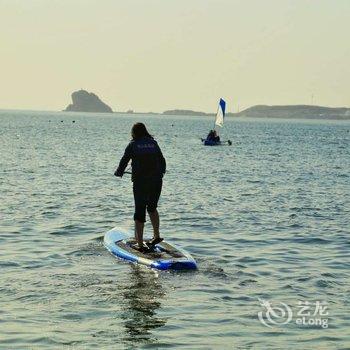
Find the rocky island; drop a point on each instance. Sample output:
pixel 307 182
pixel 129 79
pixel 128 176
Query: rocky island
pixel 84 101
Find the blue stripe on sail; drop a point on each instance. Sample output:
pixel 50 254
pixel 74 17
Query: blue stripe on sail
pixel 222 104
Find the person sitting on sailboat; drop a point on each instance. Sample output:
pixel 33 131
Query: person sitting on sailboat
pixel 210 136
pixel 213 136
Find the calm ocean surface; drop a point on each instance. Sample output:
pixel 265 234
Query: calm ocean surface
pixel 266 219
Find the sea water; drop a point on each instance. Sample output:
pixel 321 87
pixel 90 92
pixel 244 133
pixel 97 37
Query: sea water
pixel 267 220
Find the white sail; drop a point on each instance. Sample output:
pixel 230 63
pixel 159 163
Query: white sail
pixel 220 115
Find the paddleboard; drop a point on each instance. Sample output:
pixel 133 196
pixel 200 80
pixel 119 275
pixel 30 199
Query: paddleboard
pixel 164 256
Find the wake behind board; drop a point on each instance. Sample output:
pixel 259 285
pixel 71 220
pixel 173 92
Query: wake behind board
pixel 164 256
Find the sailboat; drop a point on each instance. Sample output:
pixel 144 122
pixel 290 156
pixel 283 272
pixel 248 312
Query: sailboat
pixel 213 138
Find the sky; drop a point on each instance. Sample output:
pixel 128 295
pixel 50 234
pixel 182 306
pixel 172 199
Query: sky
pixel 154 55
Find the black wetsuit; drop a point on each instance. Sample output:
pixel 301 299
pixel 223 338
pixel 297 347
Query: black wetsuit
pixel 148 168
pixel 211 137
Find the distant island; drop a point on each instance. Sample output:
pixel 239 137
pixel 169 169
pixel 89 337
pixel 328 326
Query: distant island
pixel 295 111
pixel 289 111
pixel 84 101
pixel 184 112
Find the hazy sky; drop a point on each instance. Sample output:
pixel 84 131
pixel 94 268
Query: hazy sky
pixel 152 55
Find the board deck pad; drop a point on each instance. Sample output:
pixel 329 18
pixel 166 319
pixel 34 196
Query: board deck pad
pixel 163 256
pixel 162 250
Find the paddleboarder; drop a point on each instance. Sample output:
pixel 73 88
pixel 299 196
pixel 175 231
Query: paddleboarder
pixel 148 167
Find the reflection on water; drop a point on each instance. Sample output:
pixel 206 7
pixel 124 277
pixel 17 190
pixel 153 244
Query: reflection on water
pixel 142 300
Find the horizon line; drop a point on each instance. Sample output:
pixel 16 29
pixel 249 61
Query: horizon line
pixel 173 109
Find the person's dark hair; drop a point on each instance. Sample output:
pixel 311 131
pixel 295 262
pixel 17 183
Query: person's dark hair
pixel 139 130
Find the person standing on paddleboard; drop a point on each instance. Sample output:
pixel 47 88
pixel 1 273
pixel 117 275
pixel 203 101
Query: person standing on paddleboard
pixel 148 167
